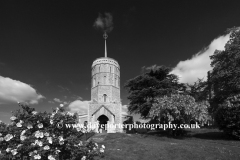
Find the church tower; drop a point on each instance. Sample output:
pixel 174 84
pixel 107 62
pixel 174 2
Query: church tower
pixel 105 106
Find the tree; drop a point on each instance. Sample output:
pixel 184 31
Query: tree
pixel 228 116
pixel 199 90
pixel 179 108
pixel 225 76
pixel 156 81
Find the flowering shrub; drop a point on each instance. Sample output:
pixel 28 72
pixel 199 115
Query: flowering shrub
pixel 180 107
pixel 32 135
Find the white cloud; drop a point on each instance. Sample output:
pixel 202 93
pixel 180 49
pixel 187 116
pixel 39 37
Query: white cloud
pixel 198 66
pixel 57 100
pixel 51 102
pixel 79 106
pixel 13 91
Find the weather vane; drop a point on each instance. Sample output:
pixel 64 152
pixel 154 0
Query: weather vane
pixel 105 36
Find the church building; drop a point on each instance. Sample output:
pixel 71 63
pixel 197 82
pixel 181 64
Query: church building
pixel 105 107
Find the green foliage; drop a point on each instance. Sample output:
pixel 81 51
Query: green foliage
pixel 179 108
pixel 38 136
pixel 156 81
pixel 225 76
pixel 199 90
pixel 228 116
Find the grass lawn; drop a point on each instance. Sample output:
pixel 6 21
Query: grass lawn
pixel 200 144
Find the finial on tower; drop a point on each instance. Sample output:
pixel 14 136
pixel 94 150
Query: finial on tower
pixel 105 36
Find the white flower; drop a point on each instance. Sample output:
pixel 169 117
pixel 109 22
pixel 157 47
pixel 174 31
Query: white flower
pixel 83 158
pixel 14 151
pixel 61 105
pixel 35 151
pixel 21 121
pixel 40 143
pixel 61 142
pixel 103 146
pixel 34 112
pixel 22 138
pixel 46 147
pixel 50 157
pixel 36 142
pixel 0 134
pixel 96 144
pixel 38 134
pixel 29 126
pixel 23 132
pixel 8 137
pixel 53 114
pixel 8 149
pixel 30 154
pixel 46 134
pixel 13 118
pixel 49 140
pixel 60 138
pixel 19 125
pixel 94 148
pixel 101 150
pixel 40 125
pixel 70 114
pixel 37 156
pixel 80 143
pixel 51 121
pixel 57 151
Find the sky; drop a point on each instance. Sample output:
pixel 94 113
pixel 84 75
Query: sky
pixel 47 46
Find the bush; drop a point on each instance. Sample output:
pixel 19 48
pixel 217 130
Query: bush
pixel 228 116
pixel 36 136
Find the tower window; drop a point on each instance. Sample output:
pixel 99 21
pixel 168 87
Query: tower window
pixel 105 97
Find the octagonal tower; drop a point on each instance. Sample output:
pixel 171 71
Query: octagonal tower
pixel 105 80
pixel 105 92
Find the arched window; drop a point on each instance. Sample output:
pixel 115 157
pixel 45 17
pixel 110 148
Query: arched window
pixel 105 97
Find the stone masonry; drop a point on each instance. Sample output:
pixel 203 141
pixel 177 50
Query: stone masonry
pixel 105 92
